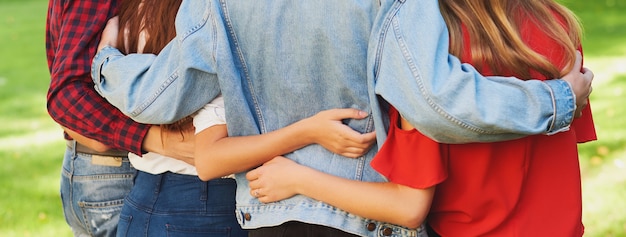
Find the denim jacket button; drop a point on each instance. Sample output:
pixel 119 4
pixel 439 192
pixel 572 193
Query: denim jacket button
pixel 371 226
pixel 247 216
pixel 387 231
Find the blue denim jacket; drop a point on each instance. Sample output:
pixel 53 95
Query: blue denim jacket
pixel 281 62
pixel 410 68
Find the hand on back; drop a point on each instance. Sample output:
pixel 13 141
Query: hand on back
pixel 275 180
pixel 328 130
pixel 580 80
pixel 109 34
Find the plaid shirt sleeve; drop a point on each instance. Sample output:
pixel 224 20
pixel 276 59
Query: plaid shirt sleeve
pixel 72 35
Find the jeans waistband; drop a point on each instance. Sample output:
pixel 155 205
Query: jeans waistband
pixel 86 150
pixel 178 193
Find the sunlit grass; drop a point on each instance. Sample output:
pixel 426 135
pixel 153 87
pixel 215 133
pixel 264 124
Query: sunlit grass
pixel 603 162
pixel 31 144
pixel 604 196
pixel 29 177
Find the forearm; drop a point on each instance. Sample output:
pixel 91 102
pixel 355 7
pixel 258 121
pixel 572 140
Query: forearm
pixel 91 143
pixel 72 34
pixel 451 102
pixel 218 155
pixel 78 108
pixel 145 86
pixel 387 202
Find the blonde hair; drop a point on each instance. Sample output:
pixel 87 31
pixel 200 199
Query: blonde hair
pixel 495 40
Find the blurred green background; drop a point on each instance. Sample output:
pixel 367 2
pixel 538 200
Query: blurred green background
pixel 31 144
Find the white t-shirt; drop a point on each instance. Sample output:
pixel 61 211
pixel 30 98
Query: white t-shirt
pixel 211 114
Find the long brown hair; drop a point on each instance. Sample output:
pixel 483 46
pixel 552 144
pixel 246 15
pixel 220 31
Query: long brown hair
pixel 154 20
pixel 495 41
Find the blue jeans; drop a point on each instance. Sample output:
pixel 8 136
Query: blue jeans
pixel 176 205
pixel 93 195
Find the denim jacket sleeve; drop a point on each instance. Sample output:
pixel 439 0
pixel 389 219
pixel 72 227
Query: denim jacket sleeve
pixel 165 88
pixel 449 101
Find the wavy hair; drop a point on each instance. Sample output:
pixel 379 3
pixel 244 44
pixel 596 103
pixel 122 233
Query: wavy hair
pixel 495 40
pixel 154 20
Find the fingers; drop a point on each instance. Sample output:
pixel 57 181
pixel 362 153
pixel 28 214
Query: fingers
pixel 252 175
pixel 259 195
pixel 352 144
pixel 579 79
pixel 354 152
pixel 369 137
pixel 255 186
pixel 354 138
pixel 255 193
pixel 578 62
pixel 347 113
pixel 588 76
pixel 583 100
pixel 109 33
pixel 587 73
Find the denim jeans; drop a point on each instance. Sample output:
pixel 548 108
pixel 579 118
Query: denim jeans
pixel 175 205
pixel 93 195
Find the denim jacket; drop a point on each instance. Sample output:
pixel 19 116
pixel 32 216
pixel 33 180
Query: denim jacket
pixel 410 68
pixel 278 63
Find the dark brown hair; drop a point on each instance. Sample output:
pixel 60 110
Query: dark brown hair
pixel 154 20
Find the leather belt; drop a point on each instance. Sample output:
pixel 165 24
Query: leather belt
pixel 86 150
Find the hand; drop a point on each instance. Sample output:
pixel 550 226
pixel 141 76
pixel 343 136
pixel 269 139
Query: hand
pixel 176 144
pixel 580 82
pixel 327 130
pixel 109 34
pixel 275 180
pixel 88 142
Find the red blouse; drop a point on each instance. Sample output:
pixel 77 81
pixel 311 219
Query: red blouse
pixel 398 161
pixel 525 187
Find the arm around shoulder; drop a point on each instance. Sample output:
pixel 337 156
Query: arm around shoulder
pixel 161 89
pixel 450 101
pixel 282 178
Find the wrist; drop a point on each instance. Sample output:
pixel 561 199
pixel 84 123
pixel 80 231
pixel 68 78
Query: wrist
pixel 305 131
pixel 153 141
pixel 301 178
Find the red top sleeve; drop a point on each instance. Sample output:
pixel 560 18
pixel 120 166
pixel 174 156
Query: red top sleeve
pixel 72 34
pixel 409 158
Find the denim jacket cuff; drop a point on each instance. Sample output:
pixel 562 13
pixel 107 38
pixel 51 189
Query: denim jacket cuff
pixel 564 103
pixel 98 62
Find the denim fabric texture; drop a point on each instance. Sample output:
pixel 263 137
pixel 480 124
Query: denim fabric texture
pixel 158 208
pixel 410 68
pixel 93 195
pixel 278 63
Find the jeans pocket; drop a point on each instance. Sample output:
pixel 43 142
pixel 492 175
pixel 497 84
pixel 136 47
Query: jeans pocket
pixel 102 217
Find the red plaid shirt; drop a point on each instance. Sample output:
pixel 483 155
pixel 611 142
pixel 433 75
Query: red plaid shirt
pixel 72 35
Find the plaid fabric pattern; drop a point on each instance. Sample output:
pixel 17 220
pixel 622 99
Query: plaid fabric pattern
pixel 72 35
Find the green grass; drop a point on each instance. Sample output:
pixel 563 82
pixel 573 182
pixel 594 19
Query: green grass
pixel 31 145
pixel 604 23
pixel 603 162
